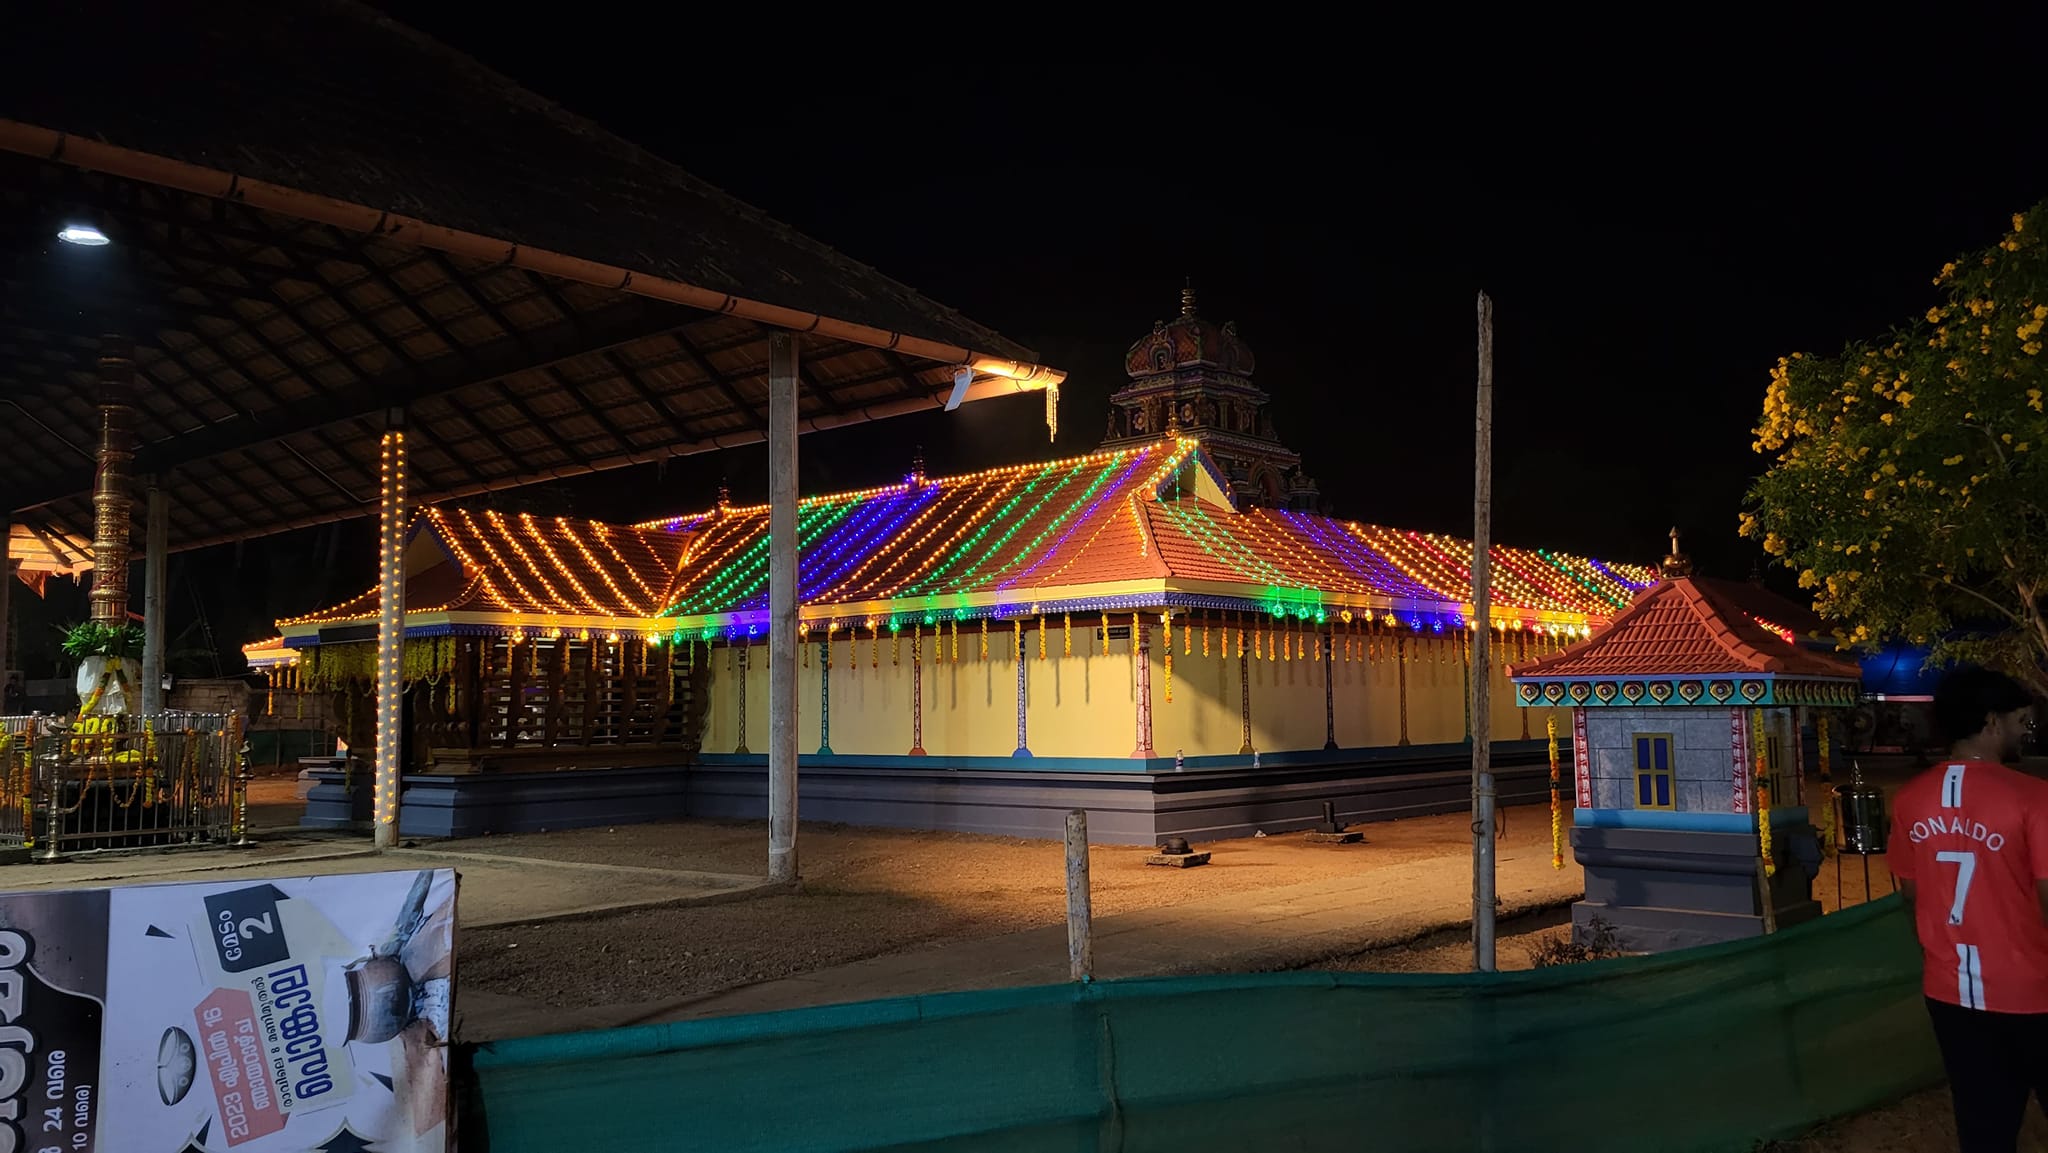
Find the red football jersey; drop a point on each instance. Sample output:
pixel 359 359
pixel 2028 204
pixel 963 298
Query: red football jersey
pixel 1973 837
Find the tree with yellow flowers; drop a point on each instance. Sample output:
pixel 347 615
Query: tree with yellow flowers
pixel 1906 487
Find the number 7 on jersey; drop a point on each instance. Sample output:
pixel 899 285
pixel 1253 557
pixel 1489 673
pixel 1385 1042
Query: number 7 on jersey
pixel 1966 867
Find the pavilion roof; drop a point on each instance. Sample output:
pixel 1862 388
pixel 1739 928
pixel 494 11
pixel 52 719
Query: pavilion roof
pixel 1691 627
pixel 319 216
pixel 1136 527
pixel 39 550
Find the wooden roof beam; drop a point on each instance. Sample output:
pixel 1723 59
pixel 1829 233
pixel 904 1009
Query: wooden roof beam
pixel 621 324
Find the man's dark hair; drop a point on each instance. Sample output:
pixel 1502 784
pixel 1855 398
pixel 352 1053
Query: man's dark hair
pixel 1968 695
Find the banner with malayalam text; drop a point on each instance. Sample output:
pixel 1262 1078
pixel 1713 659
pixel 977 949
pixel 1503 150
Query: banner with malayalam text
pixel 277 1016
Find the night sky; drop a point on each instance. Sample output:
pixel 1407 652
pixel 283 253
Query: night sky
pixel 1654 236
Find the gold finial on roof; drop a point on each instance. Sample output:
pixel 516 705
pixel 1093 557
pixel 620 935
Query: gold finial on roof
pixel 1677 564
pixel 1187 298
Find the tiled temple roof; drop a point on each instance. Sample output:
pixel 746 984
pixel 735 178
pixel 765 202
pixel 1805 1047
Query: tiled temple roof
pixel 1689 627
pixel 1143 525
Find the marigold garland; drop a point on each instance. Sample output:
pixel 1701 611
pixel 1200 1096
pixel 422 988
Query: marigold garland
pixel 1041 636
pixel 1166 619
pixel 1066 635
pixel 984 638
pixel 1763 793
pixel 1205 636
pixel 1017 640
pixel 1556 803
pixel 1105 632
pixel 953 631
pixel 874 646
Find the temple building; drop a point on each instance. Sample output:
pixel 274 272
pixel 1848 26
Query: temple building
pixel 1148 631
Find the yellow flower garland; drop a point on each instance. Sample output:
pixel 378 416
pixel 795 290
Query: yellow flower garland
pixel 1166 619
pixel 1763 793
pixel 1556 804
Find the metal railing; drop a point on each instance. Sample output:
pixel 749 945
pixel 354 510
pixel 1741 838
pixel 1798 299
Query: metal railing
pixel 121 782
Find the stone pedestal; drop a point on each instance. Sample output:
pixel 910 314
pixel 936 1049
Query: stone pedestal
pixel 1662 889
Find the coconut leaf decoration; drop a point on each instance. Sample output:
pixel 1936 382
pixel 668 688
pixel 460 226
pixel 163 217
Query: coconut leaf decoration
pixel 96 639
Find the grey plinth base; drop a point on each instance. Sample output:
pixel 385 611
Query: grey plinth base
pixel 1654 890
pixel 1178 860
pixel 479 804
pixel 1334 838
pixel 339 800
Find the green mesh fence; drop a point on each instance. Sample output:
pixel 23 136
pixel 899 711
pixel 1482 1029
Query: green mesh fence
pixel 1709 1049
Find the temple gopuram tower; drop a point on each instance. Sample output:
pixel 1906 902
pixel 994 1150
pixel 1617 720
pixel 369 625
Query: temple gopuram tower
pixel 1194 377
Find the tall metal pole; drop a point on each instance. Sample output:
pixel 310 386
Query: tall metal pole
pixel 1482 635
pixel 390 632
pixel 782 562
pixel 155 561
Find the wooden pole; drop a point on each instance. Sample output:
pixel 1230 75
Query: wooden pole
pixel 1482 634
pixel 155 563
pixel 8 568
pixel 782 641
pixel 1080 927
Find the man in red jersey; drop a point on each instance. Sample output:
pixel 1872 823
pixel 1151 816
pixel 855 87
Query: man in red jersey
pixel 1969 848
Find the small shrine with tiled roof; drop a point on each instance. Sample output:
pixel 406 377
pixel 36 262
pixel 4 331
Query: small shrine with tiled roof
pixel 1688 710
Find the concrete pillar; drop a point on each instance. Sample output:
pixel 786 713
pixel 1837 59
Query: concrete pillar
pixel 782 569
pixel 155 550
pixel 390 634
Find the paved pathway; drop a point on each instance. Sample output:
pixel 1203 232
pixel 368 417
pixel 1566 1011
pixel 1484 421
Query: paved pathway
pixel 1287 927
pixel 497 889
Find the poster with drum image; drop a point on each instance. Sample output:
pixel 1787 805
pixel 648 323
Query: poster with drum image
pixel 297 1015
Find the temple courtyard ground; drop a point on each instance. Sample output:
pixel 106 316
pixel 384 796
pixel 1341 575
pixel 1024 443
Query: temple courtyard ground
pixel 596 928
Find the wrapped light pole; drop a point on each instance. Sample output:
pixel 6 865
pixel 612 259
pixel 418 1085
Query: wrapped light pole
pixel 390 633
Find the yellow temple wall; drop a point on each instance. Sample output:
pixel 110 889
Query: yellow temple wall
pixel 1084 705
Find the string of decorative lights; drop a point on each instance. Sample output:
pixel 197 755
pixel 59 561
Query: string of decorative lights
pixel 562 525
pixel 918 552
pixel 620 603
pixel 1087 509
pixel 603 533
pixel 897 546
pixel 933 580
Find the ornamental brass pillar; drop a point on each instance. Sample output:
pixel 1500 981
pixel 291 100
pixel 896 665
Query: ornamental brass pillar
pixel 111 502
